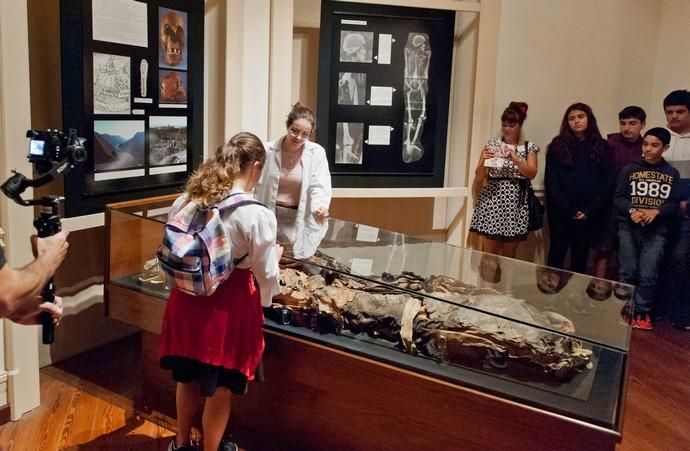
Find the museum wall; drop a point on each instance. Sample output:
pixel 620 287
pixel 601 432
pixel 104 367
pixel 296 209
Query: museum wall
pixel 555 53
pixel 215 29
pixel 671 55
pixel 19 342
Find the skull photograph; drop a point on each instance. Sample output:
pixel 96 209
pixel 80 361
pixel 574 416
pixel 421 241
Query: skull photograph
pixel 172 52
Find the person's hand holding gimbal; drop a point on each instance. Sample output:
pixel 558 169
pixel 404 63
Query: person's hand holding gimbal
pixel 31 313
pixel 52 249
pixel 20 289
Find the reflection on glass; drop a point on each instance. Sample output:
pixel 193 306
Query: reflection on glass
pixel 551 280
pixel 490 268
pixel 303 245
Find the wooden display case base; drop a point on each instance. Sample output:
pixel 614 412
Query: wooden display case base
pixel 319 398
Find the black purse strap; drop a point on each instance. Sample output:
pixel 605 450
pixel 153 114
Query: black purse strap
pixel 525 184
pixel 526 153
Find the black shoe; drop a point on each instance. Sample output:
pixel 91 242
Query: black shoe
pixel 173 447
pixel 228 446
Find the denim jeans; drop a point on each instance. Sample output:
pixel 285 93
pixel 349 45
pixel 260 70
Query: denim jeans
pixel 677 277
pixel 640 252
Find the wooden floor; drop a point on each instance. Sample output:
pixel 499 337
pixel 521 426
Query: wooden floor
pixel 77 415
pixel 100 400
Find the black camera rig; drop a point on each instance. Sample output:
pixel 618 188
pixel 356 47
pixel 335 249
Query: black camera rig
pixel 52 153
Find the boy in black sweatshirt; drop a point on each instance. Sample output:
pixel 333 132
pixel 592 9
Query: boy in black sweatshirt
pixel 646 199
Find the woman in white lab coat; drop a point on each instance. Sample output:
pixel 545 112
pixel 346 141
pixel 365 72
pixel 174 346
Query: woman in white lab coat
pixel 296 183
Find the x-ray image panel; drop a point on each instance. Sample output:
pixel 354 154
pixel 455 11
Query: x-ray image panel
pixel 352 88
pixel 383 93
pixel 356 46
pixel 349 138
pixel 417 58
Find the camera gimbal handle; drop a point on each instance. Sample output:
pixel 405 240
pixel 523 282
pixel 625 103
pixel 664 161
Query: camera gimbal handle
pixel 64 158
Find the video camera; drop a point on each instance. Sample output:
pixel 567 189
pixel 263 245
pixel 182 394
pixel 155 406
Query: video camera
pixel 51 152
pixel 51 146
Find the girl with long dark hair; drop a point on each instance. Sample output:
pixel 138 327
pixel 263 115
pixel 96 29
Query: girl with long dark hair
pixel 579 181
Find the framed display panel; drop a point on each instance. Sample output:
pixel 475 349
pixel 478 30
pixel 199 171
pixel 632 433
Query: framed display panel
pixel 132 85
pixel 383 93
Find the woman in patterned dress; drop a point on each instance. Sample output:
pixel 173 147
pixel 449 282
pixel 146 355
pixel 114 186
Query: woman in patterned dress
pixel 505 166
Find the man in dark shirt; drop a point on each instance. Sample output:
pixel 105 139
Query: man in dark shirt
pixel 677 283
pixel 627 147
pixel 20 299
pixel 627 144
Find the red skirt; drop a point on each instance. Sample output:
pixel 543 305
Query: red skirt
pixel 224 329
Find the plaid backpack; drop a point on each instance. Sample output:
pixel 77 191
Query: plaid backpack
pixel 196 251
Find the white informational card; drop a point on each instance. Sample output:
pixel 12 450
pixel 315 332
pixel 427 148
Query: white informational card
pixel 120 21
pixel 382 95
pixel 367 233
pixel 143 100
pixel 168 169
pixel 138 112
pixel 385 43
pixel 361 266
pixel 379 135
pixel 100 176
pixel 353 22
pixel 172 105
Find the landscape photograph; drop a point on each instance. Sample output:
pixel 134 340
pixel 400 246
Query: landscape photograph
pixel 167 140
pixel 118 145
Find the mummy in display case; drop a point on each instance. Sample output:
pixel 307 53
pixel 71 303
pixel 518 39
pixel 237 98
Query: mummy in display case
pixel 470 328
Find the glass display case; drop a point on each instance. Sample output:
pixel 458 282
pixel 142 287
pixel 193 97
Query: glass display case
pixel 533 335
pixel 550 338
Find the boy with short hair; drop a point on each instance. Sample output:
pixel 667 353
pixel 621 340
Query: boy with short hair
pixel 627 143
pixel 677 282
pixel 646 200
pixel 627 147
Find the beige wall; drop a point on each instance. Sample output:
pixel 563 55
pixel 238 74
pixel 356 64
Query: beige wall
pixel 214 74
pixel 307 13
pixel 19 342
pixel 672 64
pixel 555 53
